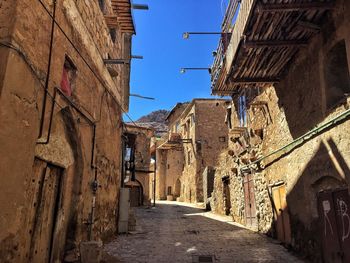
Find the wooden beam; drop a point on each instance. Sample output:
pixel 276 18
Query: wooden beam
pixel 274 43
pixel 309 26
pixel 224 92
pixel 295 7
pixel 243 81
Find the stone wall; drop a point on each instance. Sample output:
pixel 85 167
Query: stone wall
pixel 77 152
pixel 296 105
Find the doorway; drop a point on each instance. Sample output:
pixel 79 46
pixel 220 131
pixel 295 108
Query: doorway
pixel 249 199
pixel 281 213
pixel 46 205
pixel 227 197
pixel 334 214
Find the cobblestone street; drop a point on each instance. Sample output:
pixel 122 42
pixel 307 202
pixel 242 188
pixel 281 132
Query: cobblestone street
pixel 177 232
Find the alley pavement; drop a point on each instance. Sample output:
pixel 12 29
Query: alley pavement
pixel 178 232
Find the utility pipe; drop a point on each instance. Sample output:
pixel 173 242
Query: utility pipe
pixel 319 129
pixel 154 181
pixel 43 110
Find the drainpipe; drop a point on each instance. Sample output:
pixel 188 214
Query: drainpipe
pixel 43 110
pixel 154 181
pixel 307 136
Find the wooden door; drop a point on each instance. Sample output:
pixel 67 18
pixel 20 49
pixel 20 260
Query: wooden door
pixel 341 201
pixel 45 217
pixel 281 215
pixel 334 209
pixel 135 196
pixel 249 197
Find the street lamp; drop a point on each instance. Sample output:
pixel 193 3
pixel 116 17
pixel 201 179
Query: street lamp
pixel 139 7
pixel 141 97
pixel 119 61
pixel 186 35
pixel 183 70
pixel 116 61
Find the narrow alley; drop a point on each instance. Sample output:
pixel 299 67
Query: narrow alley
pixel 180 232
pixel 174 131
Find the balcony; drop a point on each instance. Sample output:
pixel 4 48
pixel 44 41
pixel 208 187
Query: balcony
pixel 172 141
pixel 122 17
pixel 265 39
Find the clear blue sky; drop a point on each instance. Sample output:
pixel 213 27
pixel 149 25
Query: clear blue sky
pixel 159 40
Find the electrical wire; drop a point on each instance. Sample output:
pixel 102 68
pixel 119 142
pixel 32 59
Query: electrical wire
pixel 86 63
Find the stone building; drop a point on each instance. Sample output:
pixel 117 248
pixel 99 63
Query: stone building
pixel 286 170
pixel 60 124
pixel 197 134
pixel 138 163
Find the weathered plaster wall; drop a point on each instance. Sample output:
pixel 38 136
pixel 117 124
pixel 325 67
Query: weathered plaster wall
pixel 161 174
pixel 174 168
pixel 71 141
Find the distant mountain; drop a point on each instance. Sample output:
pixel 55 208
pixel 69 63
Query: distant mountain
pixel 155 120
pixel 155 116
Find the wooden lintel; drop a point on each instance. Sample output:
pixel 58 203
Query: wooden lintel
pixel 243 81
pixel 274 43
pixel 295 7
pixel 223 93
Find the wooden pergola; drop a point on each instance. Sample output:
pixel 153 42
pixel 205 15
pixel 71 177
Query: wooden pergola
pixel 265 40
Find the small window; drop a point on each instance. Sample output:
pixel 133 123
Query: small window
pixel 169 190
pixel 168 166
pixel 102 5
pixel 68 77
pixel 336 74
pixel 113 34
pixel 177 129
pixel 242 112
pixel 189 158
pixel 222 139
pixel 193 120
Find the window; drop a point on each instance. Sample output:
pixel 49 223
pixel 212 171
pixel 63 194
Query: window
pixel 336 74
pixel 113 34
pixel 188 125
pixel 193 119
pixel 169 190
pixel 189 157
pixel 68 77
pixel 242 111
pixel 177 128
pixel 102 5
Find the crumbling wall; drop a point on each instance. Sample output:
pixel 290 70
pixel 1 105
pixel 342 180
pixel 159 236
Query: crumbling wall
pixel 320 162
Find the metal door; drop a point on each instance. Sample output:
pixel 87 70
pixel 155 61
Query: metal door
pixel 249 197
pixel 47 205
pixel 341 201
pixel 281 214
pixel 333 208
